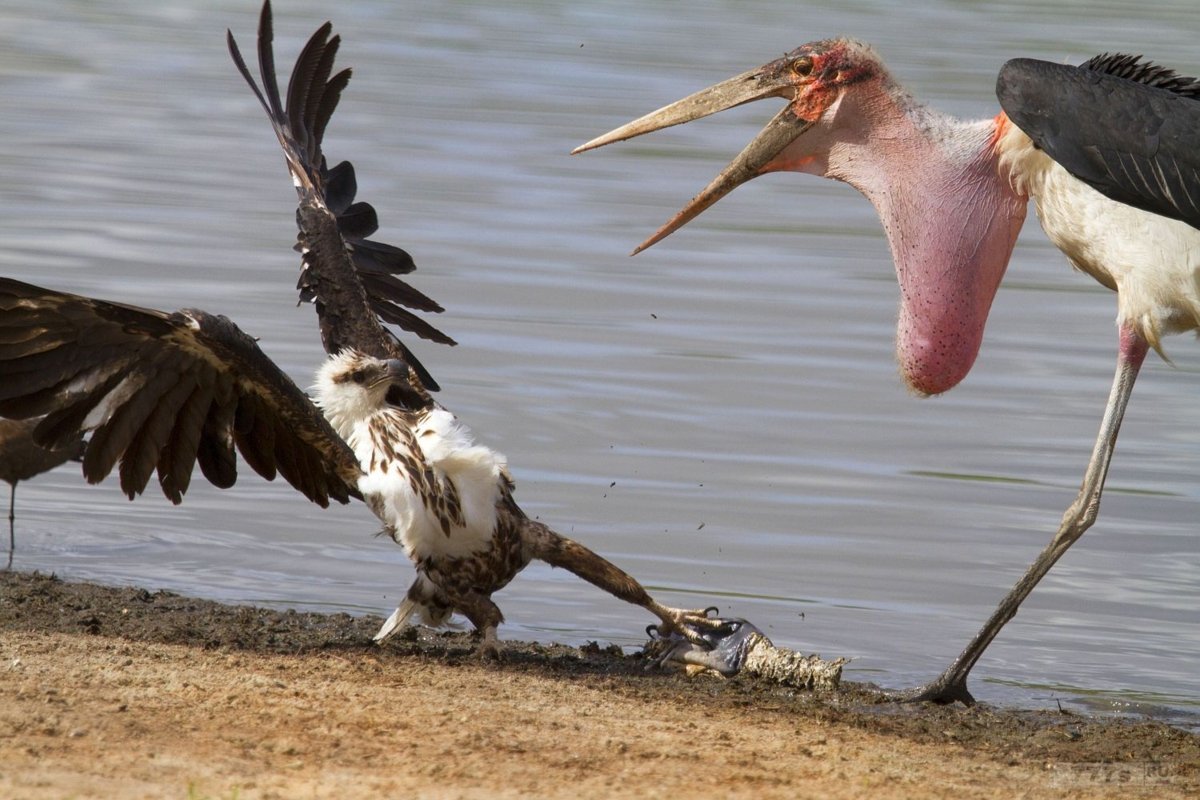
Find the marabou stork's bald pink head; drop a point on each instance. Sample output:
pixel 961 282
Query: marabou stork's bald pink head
pixel 951 218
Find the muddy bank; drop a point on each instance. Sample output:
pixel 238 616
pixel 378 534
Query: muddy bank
pixel 121 692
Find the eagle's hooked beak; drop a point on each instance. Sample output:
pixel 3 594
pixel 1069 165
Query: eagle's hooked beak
pixel 396 371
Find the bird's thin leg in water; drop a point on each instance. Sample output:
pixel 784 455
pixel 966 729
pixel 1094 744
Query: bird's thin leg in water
pixel 12 519
pixel 951 685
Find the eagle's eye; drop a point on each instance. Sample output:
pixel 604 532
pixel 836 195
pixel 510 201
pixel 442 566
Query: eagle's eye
pixel 358 376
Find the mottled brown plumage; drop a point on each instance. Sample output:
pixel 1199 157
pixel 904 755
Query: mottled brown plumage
pixel 354 295
pixel 162 392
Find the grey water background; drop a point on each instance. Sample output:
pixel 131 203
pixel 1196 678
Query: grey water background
pixel 721 415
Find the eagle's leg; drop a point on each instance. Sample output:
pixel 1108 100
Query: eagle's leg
pixel 486 617
pixel 689 623
pixel 559 551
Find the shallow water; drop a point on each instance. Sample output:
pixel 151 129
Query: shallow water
pixel 720 415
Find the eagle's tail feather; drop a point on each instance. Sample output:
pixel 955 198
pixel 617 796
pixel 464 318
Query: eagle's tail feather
pixel 424 602
pixel 396 621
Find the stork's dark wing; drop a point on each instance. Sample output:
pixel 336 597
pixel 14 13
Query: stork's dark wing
pixel 351 279
pixel 21 458
pixel 161 391
pixel 1125 127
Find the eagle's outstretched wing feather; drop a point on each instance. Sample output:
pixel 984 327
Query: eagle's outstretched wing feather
pixel 350 278
pixel 161 392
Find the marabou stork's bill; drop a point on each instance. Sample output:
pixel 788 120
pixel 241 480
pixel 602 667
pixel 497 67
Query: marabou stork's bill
pixel 952 196
pixel 164 392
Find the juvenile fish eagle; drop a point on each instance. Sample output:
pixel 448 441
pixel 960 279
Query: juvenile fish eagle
pixel 163 392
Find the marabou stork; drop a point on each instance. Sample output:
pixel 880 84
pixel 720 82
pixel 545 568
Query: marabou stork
pixel 952 196
pixel 163 392
pixel 22 459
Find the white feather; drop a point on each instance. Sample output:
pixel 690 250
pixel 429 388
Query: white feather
pixel 457 464
pixel 452 456
pixel 1151 261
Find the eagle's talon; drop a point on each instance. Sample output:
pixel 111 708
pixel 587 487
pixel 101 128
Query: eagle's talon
pixel 720 647
pixel 490 650
pixel 685 624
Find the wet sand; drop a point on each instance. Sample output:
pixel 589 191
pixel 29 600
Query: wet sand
pixel 125 693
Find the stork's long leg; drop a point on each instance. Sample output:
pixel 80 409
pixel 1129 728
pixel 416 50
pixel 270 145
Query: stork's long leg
pixel 951 685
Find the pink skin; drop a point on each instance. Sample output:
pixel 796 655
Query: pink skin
pixel 951 220
pixel 951 217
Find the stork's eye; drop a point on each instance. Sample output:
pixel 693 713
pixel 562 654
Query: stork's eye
pixel 802 67
pixel 358 376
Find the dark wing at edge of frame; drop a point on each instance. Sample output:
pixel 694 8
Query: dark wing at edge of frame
pixel 1124 126
pixel 350 278
pixel 161 392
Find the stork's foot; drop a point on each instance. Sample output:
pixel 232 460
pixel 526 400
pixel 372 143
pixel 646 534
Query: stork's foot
pixel 946 689
pixel 721 645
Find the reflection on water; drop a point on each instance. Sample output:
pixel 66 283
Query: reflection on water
pixel 720 415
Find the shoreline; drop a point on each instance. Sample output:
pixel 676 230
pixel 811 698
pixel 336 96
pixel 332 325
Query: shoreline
pixel 122 692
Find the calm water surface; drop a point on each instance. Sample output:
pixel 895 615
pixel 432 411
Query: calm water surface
pixel 720 415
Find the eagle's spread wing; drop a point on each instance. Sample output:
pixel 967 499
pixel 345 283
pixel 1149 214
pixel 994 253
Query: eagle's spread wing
pixel 161 391
pixel 351 279
pixel 1125 127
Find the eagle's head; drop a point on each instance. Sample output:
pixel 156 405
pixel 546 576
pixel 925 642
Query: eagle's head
pixel 351 386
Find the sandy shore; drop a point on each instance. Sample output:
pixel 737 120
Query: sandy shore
pixel 123 693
